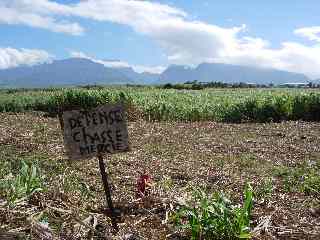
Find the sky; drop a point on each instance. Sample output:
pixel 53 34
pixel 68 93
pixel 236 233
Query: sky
pixel 151 35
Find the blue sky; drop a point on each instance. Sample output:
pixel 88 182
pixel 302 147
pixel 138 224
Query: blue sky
pixel 150 35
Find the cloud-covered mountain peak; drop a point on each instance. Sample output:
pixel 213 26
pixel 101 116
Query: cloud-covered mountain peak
pixel 84 71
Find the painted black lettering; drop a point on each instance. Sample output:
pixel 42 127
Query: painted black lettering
pixel 119 146
pixel 104 148
pixel 72 123
pixel 75 137
pixel 84 150
pixel 104 136
pixel 79 121
pixel 87 117
pixel 94 118
pixel 101 117
pixel 93 149
pixel 109 133
pixel 119 135
pixel 119 140
pixel 111 117
pixel 87 138
pixel 96 138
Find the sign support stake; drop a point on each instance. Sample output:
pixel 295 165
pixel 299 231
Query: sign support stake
pixel 107 191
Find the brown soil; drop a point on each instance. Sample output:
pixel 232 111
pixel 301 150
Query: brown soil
pixel 178 156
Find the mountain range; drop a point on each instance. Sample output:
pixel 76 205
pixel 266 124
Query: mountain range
pixel 218 72
pixel 81 71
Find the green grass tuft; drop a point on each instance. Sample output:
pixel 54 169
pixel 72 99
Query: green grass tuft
pixel 23 183
pixel 215 217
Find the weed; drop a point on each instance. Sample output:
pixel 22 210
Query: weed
pixel 304 178
pixel 166 183
pixel 311 184
pixel 72 183
pixel 85 191
pixel 246 161
pixel 27 181
pixel 215 217
pixel 265 189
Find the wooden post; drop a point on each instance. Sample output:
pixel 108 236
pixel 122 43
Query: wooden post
pixel 107 191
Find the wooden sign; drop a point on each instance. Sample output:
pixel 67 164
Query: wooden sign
pixel 93 132
pixel 100 130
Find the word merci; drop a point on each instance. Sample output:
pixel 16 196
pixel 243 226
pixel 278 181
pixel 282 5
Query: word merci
pixel 101 130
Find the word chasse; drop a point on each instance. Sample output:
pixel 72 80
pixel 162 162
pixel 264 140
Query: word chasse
pixel 102 130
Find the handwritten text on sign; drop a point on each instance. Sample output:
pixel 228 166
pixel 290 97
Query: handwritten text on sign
pixel 101 130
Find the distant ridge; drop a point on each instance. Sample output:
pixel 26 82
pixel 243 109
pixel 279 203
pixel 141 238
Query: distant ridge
pixel 81 71
pixel 218 72
pixel 68 72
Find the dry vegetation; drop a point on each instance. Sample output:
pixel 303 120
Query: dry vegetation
pixel 280 160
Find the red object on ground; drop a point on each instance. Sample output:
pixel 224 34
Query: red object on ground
pixel 143 184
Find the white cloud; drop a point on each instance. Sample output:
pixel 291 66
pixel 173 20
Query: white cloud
pixel 291 56
pixel 312 33
pixel 113 63
pixel 107 63
pixel 148 69
pixel 119 64
pixel 77 54
pixel 10 57
pixel 24 12
pixel 185 41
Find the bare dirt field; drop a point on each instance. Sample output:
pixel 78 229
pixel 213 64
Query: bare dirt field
pixel 280 160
